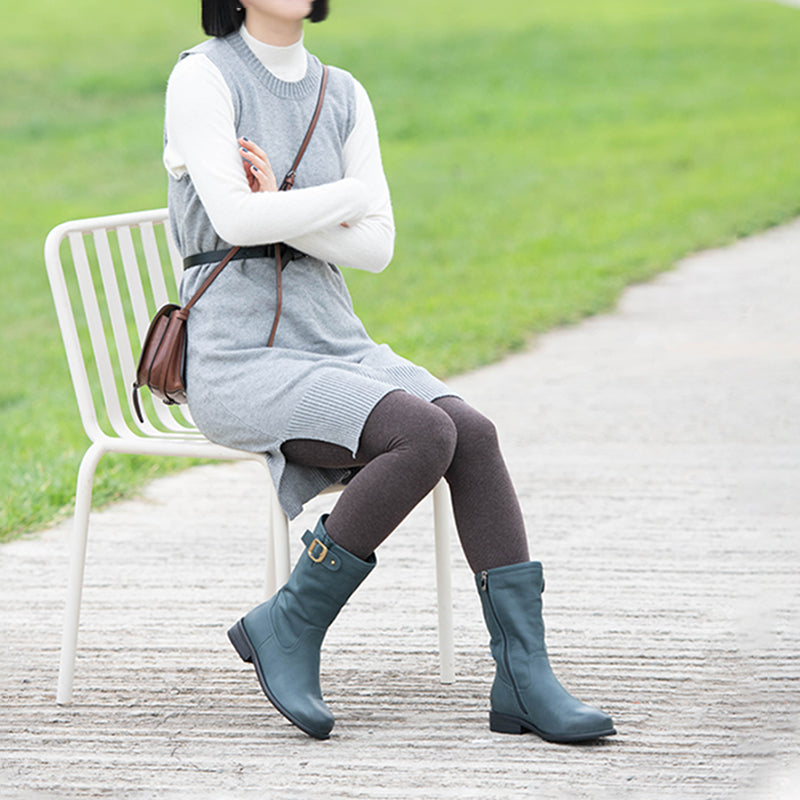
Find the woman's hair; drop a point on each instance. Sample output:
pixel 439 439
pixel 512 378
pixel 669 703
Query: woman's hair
pixel 221 17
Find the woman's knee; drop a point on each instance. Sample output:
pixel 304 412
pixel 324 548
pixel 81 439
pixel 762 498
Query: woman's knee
pixel 474 430
pixel 439 438
pixel 402 423
pixel 432 436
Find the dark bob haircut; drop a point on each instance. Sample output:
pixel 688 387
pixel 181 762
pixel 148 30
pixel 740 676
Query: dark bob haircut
pixel 220 17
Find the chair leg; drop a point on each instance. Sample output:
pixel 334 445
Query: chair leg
pixel 281 545
pixel 278 560
pixel 270 581
pixel 444 591
pixel 83 504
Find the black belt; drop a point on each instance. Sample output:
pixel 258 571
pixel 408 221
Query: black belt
pixel 257 251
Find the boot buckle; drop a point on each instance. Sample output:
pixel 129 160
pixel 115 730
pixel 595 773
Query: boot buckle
pixel 313 546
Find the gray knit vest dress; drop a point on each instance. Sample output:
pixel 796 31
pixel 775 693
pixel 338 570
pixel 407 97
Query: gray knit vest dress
pixel 323 375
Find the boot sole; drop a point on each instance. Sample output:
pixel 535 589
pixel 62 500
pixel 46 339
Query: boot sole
pixel 244 647
pixel 505 723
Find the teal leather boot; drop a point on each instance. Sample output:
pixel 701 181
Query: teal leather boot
pixel 282 637
pixel 526 695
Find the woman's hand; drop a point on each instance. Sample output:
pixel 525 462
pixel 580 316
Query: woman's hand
pixel 257 167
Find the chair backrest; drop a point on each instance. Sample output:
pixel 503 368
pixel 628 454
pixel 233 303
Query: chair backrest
pixel 108 276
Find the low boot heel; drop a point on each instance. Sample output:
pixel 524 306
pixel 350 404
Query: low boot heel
pixel 500 723
pixel 240 642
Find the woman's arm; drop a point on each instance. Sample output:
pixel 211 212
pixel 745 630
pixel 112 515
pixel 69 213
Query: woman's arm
pixel 369 243
pixel 201 140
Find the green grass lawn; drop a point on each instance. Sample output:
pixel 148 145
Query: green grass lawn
pixel 541 157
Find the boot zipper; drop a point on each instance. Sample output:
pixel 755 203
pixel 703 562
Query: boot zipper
pixel 506 660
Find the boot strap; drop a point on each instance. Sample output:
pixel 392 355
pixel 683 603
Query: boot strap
pixel 320 553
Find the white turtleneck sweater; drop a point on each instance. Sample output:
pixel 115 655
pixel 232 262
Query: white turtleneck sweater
pixel 309 219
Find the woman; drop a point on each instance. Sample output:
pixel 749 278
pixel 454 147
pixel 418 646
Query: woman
pixel 325 403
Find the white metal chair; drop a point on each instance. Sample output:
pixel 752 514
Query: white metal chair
pixel 118 270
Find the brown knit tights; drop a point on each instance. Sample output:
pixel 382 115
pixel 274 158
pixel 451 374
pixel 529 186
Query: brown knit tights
pixel 406 446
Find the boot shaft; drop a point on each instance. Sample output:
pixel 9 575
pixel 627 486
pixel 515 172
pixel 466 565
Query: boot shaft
pixel 322 581
pixel 511 598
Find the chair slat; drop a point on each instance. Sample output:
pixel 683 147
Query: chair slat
pixel 187 416
pixel 152 258
pixel 116 312
pixel 69 333
pixel 97 335
pixel 175 256
pixel 141 313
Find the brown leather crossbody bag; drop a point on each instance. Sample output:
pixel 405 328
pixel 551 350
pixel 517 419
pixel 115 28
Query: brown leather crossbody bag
pixel 161 364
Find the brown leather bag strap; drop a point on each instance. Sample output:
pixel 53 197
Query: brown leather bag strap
pixel 288 180
pixel 278 294
pixel 210 279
